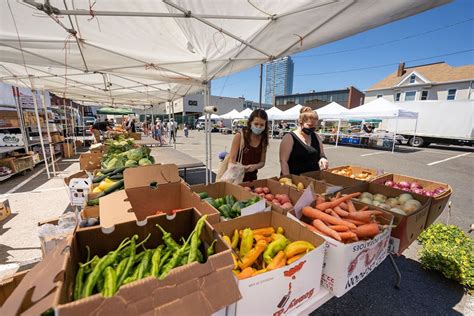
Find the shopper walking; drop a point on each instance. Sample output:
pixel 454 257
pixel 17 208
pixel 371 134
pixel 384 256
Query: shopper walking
pixel 186 130
pixel 255 143
pixel 172 131
pixel 302 150
pixel 100 127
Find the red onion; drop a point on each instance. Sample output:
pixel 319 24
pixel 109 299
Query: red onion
pixel 417 191
pixel 439 190
pixel 389 183
pixel 429 193
pixel 396 186
pixel 415 185
pixel 404 184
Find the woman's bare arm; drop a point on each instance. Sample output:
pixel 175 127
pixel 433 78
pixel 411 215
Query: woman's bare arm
pixel 286 146
pixel 234 149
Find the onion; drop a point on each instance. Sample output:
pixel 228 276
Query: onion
pixel 404 197
pixel 404 184
pixel 417 191
pixel 396 186
pixel 439 190
pixel 429 193
pixel 389 183
pixel 415 185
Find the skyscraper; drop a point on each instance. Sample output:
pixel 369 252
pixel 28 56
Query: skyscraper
pixel 278 78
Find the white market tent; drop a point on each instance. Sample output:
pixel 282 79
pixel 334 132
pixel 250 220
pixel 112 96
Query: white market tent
pixel 245 113
pixel 234 114
pixel 145 52
pixel 292 114
pixel 273 113
pixel 332 111
pixel 381 108
pixel 212 117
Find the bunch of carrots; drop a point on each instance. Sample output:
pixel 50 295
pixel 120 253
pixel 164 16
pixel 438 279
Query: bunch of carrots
pixel 340 220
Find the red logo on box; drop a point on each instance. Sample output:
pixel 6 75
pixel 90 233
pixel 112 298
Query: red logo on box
pixel 292 271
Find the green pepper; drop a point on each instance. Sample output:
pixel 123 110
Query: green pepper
pixel 195 240
pixel 247 242
pixel 200 256
pixel 168 240
pixel 235 239
pixel 110 282
pixel 143 267
pixel 155 261
pixel 175 259
pixel 78 283
pixel 130 261
pixel 100 283
pixel 104 262
pixel 164 258
pixel 210 250
pixel 274 247
pixel 121 267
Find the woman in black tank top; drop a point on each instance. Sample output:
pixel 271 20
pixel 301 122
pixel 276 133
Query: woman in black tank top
pixel 301 150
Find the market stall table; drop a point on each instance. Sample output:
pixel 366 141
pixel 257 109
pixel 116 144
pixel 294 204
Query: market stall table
pixel 147 141
pixel 168 155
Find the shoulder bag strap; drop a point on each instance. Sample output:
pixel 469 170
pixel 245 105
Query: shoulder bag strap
pixel 241 150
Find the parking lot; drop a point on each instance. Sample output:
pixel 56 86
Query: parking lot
pixel 34 198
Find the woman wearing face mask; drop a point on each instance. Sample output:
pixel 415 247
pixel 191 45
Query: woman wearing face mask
pixel 302 150
pixel 255 144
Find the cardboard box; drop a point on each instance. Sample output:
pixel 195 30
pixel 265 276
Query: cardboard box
pixel 275 188
pixel 140 200
pixel 10 163
pixel 334 182
pixel 345 265
pixel 7 139
pixel 5 210
pixel 438 203
pixel 8 285
pixel 221 189
pixel 355 170
pixel 55 138
pixel 90 161
pixel 67 150
pixel 297 179
pixel 135 136
pixel 280 291
pixel 408 227
pixel 193 289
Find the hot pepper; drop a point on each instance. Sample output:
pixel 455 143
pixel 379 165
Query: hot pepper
pixel 227 240
pixel 110 281
pixel 164 258
pixel 275 246
pixel 104 262
pixel 253 254
pixel 210 250
pixel 235 239
pixel 130 262
pixel 247 242
pixel 78 283
pixel 195 240
pixel 155 261
pixel 246 273
pixel 125 253
pixel 277 262
pixel 280 230
pixel 297 247
pixel 168 240
pixel 144 264
pixel 175 259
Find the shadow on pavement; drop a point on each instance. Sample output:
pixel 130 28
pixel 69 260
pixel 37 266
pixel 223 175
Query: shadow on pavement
pixel 421 292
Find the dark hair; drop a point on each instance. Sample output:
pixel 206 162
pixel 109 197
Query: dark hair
pixel 247 130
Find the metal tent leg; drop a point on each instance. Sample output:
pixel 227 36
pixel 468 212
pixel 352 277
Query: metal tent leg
pixel 397 271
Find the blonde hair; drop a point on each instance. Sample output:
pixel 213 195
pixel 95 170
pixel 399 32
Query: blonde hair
pixel 306 114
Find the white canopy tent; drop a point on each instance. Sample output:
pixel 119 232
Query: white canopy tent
pixel 273 113
pixel 212 117
pixel 332 111
pixel 291 114
pixel 234 114
pixel 145 52
pixel 245 113
pixel 381 108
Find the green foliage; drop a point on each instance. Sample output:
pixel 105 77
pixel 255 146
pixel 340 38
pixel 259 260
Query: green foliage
pixel 449 250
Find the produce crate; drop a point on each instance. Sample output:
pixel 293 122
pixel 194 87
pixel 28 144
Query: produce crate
pixel 300 179
pixel 408 227
pixel 334 182
pixel 354 171
pixel 8 285
pixel 438 202
pixel 9 162
pixel 23 163
pixel 193 289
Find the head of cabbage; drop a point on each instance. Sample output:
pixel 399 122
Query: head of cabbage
pixel 134 154
pixel 144 162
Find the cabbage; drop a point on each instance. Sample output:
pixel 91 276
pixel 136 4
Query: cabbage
pixel 144 162
pixel 115 163
pixel 131 163
pixel 134 154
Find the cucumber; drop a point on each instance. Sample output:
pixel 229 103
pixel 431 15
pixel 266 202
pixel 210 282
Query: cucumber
pixel 106 171
pixel 99 178
pixel 117 185
pixel 118 176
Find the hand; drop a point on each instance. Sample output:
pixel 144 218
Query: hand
pixel 323 164
pixel 250 168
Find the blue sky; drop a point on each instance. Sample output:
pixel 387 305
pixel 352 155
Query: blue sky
pixel 447 40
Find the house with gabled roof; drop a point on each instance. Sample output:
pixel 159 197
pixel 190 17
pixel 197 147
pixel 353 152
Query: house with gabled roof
pixel 436 81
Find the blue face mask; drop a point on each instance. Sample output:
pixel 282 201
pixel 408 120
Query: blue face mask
pixel 257 130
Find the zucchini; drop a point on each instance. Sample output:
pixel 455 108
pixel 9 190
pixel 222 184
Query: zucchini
pixel 118 176
pixel 106 171
pixel 99 178
pixel 117 185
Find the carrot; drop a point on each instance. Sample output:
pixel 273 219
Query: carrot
pixel 353 221
pixel 326 230
pixel 344 206
pixel 364 216
pixel 367 230
pixel 334 214
pixel 320 200
pixel 348 235
pixel 338 201
pixel 314 229
pixel 350 207
pixel 313 213
pixel 339 228
pixel 340 211
pixel 365 208
pixel 338 195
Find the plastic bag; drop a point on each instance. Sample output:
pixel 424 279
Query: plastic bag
pixel 234 174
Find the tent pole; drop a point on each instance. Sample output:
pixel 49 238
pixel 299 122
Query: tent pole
pixel 207 141
pixel 337 132
pixel 50 141
pixel 174 121
pixel 416 125
pixel 260 94
pixel 35 103
pixel 395 135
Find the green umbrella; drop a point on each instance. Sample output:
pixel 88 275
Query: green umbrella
pixel 114 111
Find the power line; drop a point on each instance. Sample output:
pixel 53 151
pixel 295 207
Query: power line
pixel 385 65
pixel 387 42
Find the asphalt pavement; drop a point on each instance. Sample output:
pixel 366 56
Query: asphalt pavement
pixel 34 197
